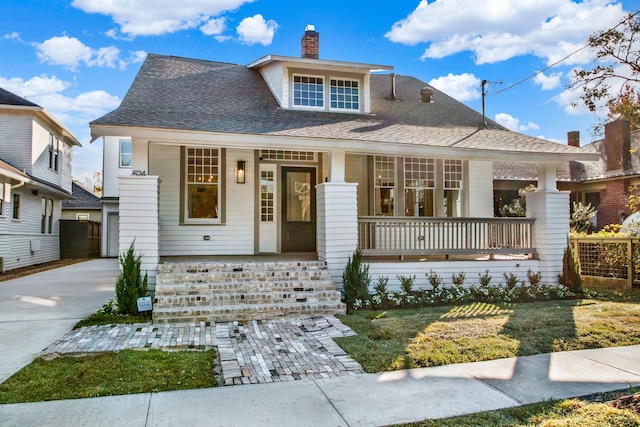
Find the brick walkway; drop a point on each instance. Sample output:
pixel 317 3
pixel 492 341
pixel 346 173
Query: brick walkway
pixel 257 351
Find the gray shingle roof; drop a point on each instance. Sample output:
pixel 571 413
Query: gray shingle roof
pixel 8 98
pixel 574 171
pixel 83 199
pixel 189 94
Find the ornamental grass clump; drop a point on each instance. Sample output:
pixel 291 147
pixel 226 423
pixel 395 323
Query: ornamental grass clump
pixel 130 285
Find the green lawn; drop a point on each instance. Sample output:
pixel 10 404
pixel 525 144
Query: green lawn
pixel 397 339
pixel 106 374
pixel 565 413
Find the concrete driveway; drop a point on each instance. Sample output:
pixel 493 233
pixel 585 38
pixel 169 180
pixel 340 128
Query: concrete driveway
pixel 38 309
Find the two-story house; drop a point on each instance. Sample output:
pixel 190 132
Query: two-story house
pixel 302 155
pixel 35 176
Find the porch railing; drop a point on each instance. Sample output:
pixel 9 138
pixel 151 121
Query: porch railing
pixel 444 236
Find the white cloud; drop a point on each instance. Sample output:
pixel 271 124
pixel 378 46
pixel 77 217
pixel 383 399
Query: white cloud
pixel 214 26
pixel 155 17
pixel 513 123
pixel 495 30
pixel 71 53
pixel 255 29
pixel 463 87
pixel 34 87
pixel 12 36
pixel 48 93
pixel 137 56
pixel 549 82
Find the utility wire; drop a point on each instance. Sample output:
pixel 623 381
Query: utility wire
pixel 561 60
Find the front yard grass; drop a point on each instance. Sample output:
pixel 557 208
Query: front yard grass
pixel 107 374
pixel 400 339
pixel 573 412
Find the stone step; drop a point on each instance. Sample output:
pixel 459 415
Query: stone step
pixel 251 298
pixel 227 313
pixel 243 287
pixel 206 267
pixel 251 276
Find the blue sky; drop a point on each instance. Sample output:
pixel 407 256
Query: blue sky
pixel 77 58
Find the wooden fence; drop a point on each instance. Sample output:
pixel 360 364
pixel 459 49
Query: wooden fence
pixel 611 257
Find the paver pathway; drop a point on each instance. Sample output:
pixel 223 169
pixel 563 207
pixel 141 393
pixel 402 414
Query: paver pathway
pixel 257 351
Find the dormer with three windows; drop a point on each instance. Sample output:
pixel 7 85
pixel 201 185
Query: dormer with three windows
pixel 313 84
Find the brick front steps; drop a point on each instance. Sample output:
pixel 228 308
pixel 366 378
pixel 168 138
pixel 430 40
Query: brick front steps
pixel 227 291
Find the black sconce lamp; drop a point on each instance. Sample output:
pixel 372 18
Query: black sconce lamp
pixel 240 176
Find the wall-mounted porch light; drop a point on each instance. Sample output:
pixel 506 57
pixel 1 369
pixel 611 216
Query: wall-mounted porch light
pixel 240 177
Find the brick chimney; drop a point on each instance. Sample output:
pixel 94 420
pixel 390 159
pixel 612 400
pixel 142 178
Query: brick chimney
pixel 310 44
pixel 617 145
pixel 573 138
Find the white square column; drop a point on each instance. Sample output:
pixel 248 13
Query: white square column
pixel 139 221
pixel 550 229
pixel 337 225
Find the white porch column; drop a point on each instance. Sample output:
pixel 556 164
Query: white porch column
pixel 550 231
pixel 140 155
pixel 139 223
pixel 547 176
pixel 337 165
pixel 337 232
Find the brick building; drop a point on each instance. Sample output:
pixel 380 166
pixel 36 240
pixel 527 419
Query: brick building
pixel 604 183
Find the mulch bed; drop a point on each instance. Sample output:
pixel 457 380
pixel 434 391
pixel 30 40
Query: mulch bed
pixel 631 402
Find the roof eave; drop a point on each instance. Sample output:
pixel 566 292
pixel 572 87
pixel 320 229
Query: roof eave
pixel 268 59
pixel 253 141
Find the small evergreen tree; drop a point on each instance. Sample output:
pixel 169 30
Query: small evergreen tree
pixel 570 276
pixel 355 280
pixel 130 285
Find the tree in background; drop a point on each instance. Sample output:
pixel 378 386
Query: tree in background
pixel 617 55
pixel 626 106
pixel 518 207
pixel 93 183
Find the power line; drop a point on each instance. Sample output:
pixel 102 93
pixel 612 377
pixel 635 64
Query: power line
pixel 563 59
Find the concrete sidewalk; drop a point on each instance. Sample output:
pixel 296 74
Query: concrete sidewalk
pixel 362 400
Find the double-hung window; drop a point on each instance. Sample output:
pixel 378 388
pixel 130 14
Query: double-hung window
pixel 453 182
pixel 54 152
pixel 202 190
pixel 125 153
pixel 16 206
pixel 308 91
pixel 47 216
pixel 384 186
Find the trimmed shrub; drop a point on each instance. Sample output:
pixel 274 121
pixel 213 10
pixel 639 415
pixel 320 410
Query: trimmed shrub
pixel 130 285
pixel 355 280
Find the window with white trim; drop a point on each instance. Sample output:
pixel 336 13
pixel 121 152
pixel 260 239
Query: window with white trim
pixel 202 185
pixel 384 186
pixel 419 186
pixel 267 191
pixel 54 152
pixel 125 153
pixel 83 216
pixel 453 183
pixel 344 94
pixel 16 206
pixel 308 91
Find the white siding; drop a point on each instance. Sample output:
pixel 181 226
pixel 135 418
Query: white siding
pixel 139 220
pixel 273 75
pixel 111 165
pixel 235 237
pixel 480 189
pixel 550 230
pixel 15 139
pixel 16 235
pixel 337 225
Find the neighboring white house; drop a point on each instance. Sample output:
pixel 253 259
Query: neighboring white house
pixel 292 155
pixel 35 176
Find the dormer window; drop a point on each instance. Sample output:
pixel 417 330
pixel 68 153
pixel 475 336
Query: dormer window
pixel 308 91
pixel 345 95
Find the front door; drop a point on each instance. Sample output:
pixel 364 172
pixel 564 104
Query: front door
pixel 298 209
